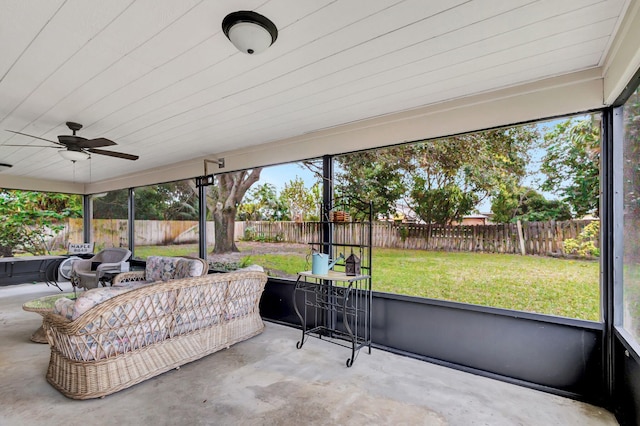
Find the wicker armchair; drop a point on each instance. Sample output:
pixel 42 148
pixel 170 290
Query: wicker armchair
pixel 84 274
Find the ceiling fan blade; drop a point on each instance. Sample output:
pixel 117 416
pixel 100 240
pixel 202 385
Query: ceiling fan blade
pixel 96 143
pixel 113 154
pixel 35 137
pixel 32 146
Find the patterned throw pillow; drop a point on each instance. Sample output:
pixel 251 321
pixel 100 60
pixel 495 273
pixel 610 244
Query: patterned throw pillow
pixel 160 268
pixel 64 307
pixel 94 297
pixel 186 268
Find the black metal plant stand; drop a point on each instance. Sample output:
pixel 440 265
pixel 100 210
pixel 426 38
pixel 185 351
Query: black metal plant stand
pixel 336 307
pixel 335 299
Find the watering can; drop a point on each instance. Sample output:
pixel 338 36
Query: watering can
pixel 320 263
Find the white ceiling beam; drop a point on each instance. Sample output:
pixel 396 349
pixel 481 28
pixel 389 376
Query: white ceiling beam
pixel 623 60
pixel 47 185
pixel 552 97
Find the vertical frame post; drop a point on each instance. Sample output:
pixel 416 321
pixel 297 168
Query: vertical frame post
pixel 330 318
pixel 327 202
pixel 202 221
pixel 87 217
pixel 131 229
pixel 606 254
pixel 611 238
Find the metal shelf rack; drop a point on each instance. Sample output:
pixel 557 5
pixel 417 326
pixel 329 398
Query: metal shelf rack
pixel 336 307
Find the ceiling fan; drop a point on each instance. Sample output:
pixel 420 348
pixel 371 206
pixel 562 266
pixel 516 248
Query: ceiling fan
pixel 77 147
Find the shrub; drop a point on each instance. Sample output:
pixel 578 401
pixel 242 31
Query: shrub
pixel 585 244
pixel 230 266
pixel 249 233
pixel 404 233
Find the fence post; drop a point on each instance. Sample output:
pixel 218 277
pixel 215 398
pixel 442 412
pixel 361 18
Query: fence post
pixel 521 238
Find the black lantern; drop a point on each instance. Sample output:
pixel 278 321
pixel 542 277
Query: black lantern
pixel 352 265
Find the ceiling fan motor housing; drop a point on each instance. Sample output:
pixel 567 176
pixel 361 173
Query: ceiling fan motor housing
pixel 71 141
pixel 74 127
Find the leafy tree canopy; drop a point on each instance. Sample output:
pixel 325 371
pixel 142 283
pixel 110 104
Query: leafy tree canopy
pixel 440 180
pixel 112 205
pixel 28 219
pixel 302 203
pixel 262 203
pixel 527 205
pixel 376 176
pixel 572 164
pixel 167 201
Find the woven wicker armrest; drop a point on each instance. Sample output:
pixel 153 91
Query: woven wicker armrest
pixel 53 320
pixel 56 320
pixel 126 277
pixel 82 265
pixel 102 331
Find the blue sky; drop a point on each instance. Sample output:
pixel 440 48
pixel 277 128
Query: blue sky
pixel 279 175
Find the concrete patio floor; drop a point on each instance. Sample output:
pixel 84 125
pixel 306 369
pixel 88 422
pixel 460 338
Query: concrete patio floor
pixel 266 380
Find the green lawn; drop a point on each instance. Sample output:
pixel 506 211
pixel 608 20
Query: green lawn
pixel 562 287
pixel 142 252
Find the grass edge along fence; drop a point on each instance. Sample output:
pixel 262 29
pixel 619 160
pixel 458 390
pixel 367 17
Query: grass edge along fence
pixel 536 238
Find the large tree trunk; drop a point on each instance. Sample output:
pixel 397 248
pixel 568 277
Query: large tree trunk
pixel 224 221
pixel 223 201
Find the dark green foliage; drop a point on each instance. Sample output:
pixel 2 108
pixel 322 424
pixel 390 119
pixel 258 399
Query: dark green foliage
pixel 441 205
pixel 301 203
pixel 28 219
pixel 262 203
pixel 113 205
pixel 572 164
pixel 527 205
pixel 439 180
pixel 166 201
pixel 375 176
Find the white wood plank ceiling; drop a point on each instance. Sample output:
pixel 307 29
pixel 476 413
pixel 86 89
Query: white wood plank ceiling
pixel 160 78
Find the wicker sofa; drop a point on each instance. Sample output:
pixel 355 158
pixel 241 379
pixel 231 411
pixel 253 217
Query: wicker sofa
pixel 143 329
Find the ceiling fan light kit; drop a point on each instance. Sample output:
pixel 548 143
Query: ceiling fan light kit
pixel 73 155
pixel 249 31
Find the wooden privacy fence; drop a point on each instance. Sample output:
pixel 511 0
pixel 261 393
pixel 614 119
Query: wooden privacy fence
pixel 538 238
pixel 290 232
pixel 113 232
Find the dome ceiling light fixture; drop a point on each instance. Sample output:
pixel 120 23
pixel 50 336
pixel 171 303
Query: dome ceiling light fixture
pixel 249 32
pixel 74 156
